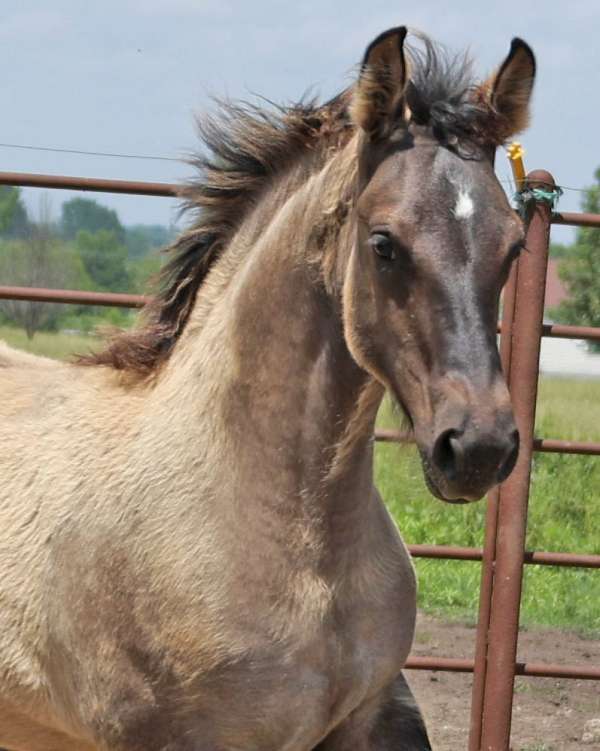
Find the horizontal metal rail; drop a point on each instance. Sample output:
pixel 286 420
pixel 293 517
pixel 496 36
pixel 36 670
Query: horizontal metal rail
pixel 552 446
pixel 558 331
pixel 64 182
pixel 543 445
pixel 537 669
pixel 93 184
pixel 575 219
pixel 534 557
pixel 137 301
pixel 75 297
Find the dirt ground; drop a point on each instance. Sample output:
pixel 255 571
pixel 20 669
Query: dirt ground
pixel 548 714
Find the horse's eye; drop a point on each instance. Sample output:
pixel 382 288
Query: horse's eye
pixel 383 245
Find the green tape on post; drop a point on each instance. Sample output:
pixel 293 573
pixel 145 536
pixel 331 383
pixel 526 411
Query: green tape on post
pixel 524 198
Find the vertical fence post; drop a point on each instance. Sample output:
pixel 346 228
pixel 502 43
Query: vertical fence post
pixel 489 543
pixel 497 639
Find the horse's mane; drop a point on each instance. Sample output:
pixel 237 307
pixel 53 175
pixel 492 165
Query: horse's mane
pixel 245 147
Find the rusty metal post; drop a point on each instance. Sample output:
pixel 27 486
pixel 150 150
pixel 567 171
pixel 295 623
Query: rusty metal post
pixel 489 544
pixel 522 376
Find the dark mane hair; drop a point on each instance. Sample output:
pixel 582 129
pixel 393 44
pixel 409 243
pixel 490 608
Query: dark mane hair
pixel 245 147
pixel 443 94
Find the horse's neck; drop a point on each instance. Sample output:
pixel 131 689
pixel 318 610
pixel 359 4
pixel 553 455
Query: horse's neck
pixel 296 410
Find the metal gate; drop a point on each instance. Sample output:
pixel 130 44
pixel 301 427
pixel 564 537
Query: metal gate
pixel 503 555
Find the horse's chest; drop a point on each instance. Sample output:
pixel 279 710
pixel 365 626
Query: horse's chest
pixel 292 698
pixel 293 695
pixel 274 672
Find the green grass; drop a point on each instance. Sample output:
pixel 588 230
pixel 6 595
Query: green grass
pixel 563 516
pixel 50 344
pixel 564 509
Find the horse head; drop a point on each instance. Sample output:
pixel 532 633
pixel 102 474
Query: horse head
pixel 434 240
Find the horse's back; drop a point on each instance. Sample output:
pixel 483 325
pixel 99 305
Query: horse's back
pixel 22 376
pixel 18 358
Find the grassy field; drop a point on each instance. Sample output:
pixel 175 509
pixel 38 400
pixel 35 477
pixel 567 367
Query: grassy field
pixel 564 510
pixel 563 516
pixel 49 344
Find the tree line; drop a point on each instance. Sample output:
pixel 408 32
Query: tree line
pixel 579 270
pixel 87 248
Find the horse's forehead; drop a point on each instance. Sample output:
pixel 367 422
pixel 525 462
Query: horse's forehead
pixel 427 173
pixel 460 180
pixel 461 190
pixel 467 191
pixel 429 185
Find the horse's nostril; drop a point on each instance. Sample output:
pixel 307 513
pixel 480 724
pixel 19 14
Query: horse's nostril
pixel 472 457
pixel 511 459
pixel 447 453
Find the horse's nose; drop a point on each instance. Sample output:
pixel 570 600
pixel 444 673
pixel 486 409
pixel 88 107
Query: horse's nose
pixel 471 459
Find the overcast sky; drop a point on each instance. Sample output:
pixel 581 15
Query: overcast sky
pixel 126 76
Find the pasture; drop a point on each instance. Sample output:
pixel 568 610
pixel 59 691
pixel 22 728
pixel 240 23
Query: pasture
pixel 563 511
pixel 58 345
pixel 563 516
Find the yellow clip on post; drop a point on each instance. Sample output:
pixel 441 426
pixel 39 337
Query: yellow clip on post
pixel 515 154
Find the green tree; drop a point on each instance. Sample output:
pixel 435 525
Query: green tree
pixel 83 214
pixel 40 259
pixel 559 250
pixel 13 215
pixel 143 273
pixel 580 271
pixel 141 239
pixel 104 259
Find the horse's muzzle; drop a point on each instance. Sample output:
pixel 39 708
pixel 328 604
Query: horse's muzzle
pixel 464 462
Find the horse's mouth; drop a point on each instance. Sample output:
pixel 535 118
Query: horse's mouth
pixel 433 481
pixel 433 486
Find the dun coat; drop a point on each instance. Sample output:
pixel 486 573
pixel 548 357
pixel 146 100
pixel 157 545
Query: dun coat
pixel 192 551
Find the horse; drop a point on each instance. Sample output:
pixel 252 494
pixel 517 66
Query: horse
pixel 193 552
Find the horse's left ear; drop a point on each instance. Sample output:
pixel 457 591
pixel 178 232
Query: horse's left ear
pixel 509 89
pixel 377 101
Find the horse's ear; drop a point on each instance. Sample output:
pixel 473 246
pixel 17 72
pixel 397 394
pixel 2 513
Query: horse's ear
pixel 509 89
pixel 377 102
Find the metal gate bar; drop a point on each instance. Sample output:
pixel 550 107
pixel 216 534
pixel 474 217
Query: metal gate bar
pixel 93 184
pixel 548 445
pixel 490 538
pixel 497 633
pixel 531 669
pixel 531 557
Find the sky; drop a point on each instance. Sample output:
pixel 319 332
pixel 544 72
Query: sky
pixel 127 76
